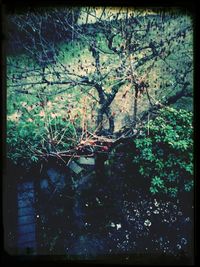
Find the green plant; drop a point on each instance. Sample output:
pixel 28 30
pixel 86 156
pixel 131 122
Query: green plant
pixel 31 136
pixel 164 152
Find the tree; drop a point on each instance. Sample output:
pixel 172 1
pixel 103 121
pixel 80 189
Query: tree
pixel 93 54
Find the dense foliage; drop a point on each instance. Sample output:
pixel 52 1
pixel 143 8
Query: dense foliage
pixel 102 71
pixel 165 152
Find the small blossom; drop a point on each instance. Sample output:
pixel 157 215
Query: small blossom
pixel 29 108
pixel 42 114
pixel 118 225
pixel 49 103
pixel 14 117
pixel 147 222
pixel 53 115
pixel 156 212
pixel 112 224
pixel 23 104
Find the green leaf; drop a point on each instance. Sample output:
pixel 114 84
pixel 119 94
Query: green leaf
pixel 153 190
pixel 34 159
pixel 156 181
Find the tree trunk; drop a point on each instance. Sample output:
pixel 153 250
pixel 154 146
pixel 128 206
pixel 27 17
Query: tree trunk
pixel 107 112
pixel 135 104
pixel 100 121
pixel 111 120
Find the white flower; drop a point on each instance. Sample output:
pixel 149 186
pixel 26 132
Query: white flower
pixel 147 222
pixel 14 117
pixel 156 212
pixel 118 225
pixel 156 203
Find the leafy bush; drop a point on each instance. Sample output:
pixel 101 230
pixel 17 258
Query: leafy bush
pixel 30 139
pixel 164 152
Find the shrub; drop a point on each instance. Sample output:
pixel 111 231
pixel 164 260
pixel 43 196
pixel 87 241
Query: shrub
pixel 164 152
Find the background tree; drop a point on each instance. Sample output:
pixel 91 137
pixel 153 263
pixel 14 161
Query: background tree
pixel 72 71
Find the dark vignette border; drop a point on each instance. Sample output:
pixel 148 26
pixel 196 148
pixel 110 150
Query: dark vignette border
pixel 139 259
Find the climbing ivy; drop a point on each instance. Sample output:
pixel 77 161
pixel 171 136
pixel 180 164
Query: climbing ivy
pixel 165 152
